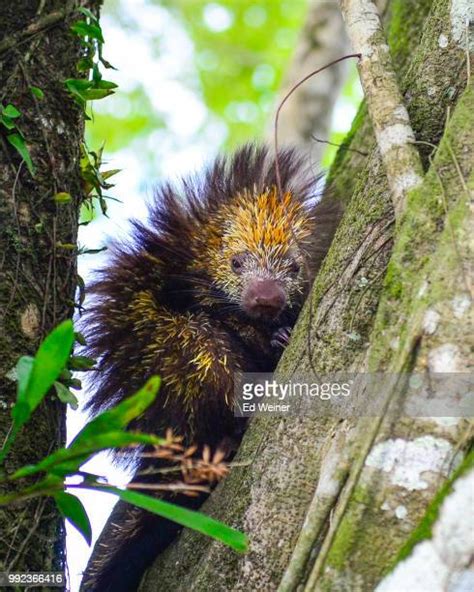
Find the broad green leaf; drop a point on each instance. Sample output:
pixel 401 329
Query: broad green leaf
pixel 37 92
pixel 65 395
pixel 84 64
pixel 94 94
pixel 120 416
pixel 91 30
pixel 81 362
pixel 88 13
pixel 71 508
pixel 77 84
pixel 79 337
pixel 96 75
pixel 48 363
pixel 88 90
pixel 21 374
pixel 105 84
pixel 11 111
pixel 18 142
pixel 7 122
pixel 195 520
pixel 24 368
pixel 62 197
pixel 68 460
pixel 111 173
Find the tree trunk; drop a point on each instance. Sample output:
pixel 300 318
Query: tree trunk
pixel 37 244
pixel 322 510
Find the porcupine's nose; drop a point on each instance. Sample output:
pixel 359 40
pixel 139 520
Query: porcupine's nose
pixel 264 298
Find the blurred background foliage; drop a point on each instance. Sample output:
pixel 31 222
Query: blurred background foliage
pixel 194 77
pixel 240 49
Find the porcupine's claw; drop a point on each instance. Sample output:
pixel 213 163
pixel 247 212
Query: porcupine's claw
pixel 281 337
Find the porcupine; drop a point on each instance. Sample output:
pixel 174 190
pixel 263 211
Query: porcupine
pixel 209 286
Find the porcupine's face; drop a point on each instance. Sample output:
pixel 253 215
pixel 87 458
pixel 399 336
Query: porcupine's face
pixel 257 261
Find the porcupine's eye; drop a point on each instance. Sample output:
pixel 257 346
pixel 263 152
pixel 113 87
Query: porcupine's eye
pixel 237 263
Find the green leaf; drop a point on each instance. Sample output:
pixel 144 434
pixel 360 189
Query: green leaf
pixel 105 84
pixel 65 395
pixel 18 142
pixel 84 29
pixel 81 362
pixel 62 197
pixel 37 92
pixel 7 122
pixel 66 461
pixel 79 337
pixel 71 508
pixel 88 90
pixel 105 431
pixel 95 94
pixel 24 369
pixel 21 373
pixel 11 111
pixel 48 363
pixel 96 75
pixel 120 416
pixel 195 520
pixel 77 84
pixel 111 173
pixel 88 13
pixel 92 251
pixel 84 64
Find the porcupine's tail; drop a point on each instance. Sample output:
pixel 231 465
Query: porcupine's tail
pixel 131 540
pixel 135 537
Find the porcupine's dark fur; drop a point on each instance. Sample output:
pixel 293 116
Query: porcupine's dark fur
pixel 169 303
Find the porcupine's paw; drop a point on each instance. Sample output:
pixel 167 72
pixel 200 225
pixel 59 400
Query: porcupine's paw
pixel 281 337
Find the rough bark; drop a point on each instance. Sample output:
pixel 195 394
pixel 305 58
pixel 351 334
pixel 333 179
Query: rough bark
pixel 368 309
pixel 37 263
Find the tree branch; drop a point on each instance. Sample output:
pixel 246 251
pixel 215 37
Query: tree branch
pixel 395 137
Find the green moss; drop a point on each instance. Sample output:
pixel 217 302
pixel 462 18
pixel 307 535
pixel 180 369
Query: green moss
pixel 424 228
pixel 404 32
pixel 393 287
pixel 424 530
pixel 348 553
pixel 342 178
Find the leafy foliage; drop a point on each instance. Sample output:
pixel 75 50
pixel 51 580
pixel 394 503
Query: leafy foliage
pixel 71 508
pixel 240 69
pixel 94 182
pixel 35 376
pixel 241 50
pixel 8 115
pixel 92 40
